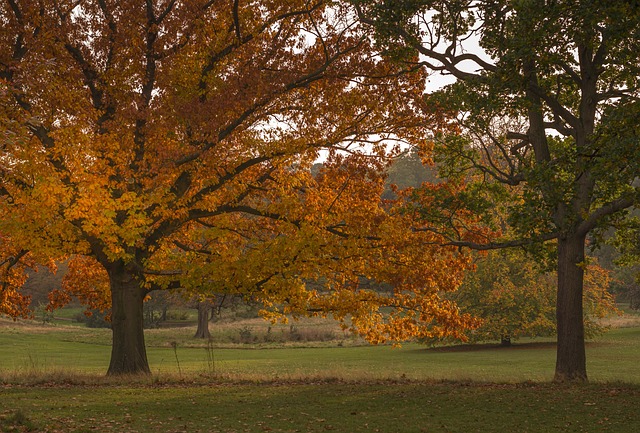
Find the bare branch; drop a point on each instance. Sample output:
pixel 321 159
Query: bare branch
pixel 449 61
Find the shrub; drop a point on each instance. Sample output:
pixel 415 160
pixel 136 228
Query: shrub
pixel 96 319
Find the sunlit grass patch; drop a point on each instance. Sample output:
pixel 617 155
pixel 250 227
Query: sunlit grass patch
pixel 55 349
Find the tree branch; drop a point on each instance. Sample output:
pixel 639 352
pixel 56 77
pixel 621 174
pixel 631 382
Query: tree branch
pixel 608 209
pixel 11 261
pixel 494 245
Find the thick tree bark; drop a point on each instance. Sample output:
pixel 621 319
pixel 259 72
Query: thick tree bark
pixel 571 361
pixel 128 351
pixel 203 320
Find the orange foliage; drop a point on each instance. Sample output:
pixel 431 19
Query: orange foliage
pixel 341 252
pixel 169 145
pixel 86 280
pixel 598 300
pixel 13 264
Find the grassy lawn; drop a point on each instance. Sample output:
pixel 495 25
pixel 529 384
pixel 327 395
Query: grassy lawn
pixel 323 406
pixel 28 350
pixel 52 380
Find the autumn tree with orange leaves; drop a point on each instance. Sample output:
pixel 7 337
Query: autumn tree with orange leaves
pixel 167 144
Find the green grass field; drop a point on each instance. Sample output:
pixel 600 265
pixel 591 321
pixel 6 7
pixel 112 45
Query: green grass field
pixel 52 380
pixel 29 350
pixel 323 406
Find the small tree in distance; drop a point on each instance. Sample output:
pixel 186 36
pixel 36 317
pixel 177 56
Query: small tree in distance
pixel 515 298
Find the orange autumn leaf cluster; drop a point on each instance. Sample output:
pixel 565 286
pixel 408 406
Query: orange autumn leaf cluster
pixel 12 277
pixel 87 281
pixel 342 252
pixel 15 263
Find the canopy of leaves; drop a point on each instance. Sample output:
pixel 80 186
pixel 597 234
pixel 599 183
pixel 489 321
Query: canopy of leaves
pixel 546 96
pixel 169 144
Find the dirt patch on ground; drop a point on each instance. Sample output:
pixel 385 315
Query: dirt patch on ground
pixel 490 346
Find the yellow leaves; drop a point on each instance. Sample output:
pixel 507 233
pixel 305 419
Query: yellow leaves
pixel 598 300
pixel 32 217
pixel 381 278
pixel 381 317
pixel 136 222
pixel 515 298
pixel 335 250
pixel 119 222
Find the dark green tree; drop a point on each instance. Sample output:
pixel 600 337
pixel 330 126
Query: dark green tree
pixel 548 113
pixel 408 171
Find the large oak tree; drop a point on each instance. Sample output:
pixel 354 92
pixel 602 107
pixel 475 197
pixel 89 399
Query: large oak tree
pixel 168 144
pixel 547 96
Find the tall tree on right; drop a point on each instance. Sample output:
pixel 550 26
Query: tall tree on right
pixel 549 111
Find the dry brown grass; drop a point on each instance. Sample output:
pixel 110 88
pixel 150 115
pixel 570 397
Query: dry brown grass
pixel 622 321
pixel 31 326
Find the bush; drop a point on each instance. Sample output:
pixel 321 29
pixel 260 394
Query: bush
pixel 297 334
pixel 178 315
pixel 42 314
pixel 245 334
pixel 96 319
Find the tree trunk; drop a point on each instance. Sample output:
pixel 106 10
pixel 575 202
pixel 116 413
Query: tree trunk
pixel 571 361
pixel 128 351
pixel 203 320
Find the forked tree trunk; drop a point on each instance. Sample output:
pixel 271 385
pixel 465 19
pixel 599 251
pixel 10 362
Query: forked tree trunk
pixel 203 320
pixel 128 351
pixel 571 361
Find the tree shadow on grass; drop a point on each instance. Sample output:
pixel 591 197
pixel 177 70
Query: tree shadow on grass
pixel 478 347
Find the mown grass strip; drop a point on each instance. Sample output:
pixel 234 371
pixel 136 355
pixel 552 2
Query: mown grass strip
pixel 326 406
pixel 612 357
